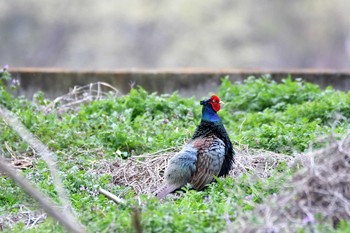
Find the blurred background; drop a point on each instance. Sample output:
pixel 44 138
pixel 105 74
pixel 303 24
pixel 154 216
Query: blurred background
pixel 89 34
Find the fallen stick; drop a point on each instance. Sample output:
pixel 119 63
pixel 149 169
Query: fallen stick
pixel 111 196
pixel 45 153
pixel 40 148
pixel 61 215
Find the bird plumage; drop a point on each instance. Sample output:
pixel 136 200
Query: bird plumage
pixel 209 153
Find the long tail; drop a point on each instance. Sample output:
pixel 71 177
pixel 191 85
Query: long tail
pixel 165 190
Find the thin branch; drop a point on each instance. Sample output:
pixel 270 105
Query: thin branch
pixel 111 196
pixel 61 215
pixel 41 149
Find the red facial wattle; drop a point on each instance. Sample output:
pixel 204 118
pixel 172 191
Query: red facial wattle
pixel 215 103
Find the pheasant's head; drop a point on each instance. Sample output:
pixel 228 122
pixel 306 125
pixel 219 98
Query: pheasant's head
pixel 210 108
pixel 214 102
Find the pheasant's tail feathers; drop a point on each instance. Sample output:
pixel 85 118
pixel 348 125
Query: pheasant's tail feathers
pixel 165 190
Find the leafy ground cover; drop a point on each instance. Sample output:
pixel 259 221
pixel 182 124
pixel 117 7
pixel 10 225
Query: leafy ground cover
pixel 287 118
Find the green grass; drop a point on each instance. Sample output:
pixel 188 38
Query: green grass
pixel 282 117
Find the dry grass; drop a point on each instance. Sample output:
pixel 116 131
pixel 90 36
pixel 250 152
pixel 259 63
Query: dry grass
pixel 29 217
pixel 319 193
pixel 79 95
pixel 144 173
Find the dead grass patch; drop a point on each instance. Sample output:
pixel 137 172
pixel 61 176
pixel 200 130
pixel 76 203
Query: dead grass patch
pixel 29 217
pixel 79 95
pixel 144 173
pixel 318 193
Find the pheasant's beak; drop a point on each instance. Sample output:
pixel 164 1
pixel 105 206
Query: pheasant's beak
pixel 221 102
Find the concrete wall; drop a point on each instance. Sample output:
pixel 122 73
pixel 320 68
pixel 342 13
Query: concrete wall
pixel 188 82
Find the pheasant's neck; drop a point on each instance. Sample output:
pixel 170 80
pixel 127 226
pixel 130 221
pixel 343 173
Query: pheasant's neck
pixel 208 114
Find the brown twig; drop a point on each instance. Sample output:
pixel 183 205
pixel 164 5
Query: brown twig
pixel 60 214
pixel 43 151
pixel 41 148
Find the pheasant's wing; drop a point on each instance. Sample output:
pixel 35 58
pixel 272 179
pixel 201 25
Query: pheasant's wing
pixel 211 153
pixel 180 170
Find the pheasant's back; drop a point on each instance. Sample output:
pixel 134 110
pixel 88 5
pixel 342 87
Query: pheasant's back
pixel 210 157
pixel 207 128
